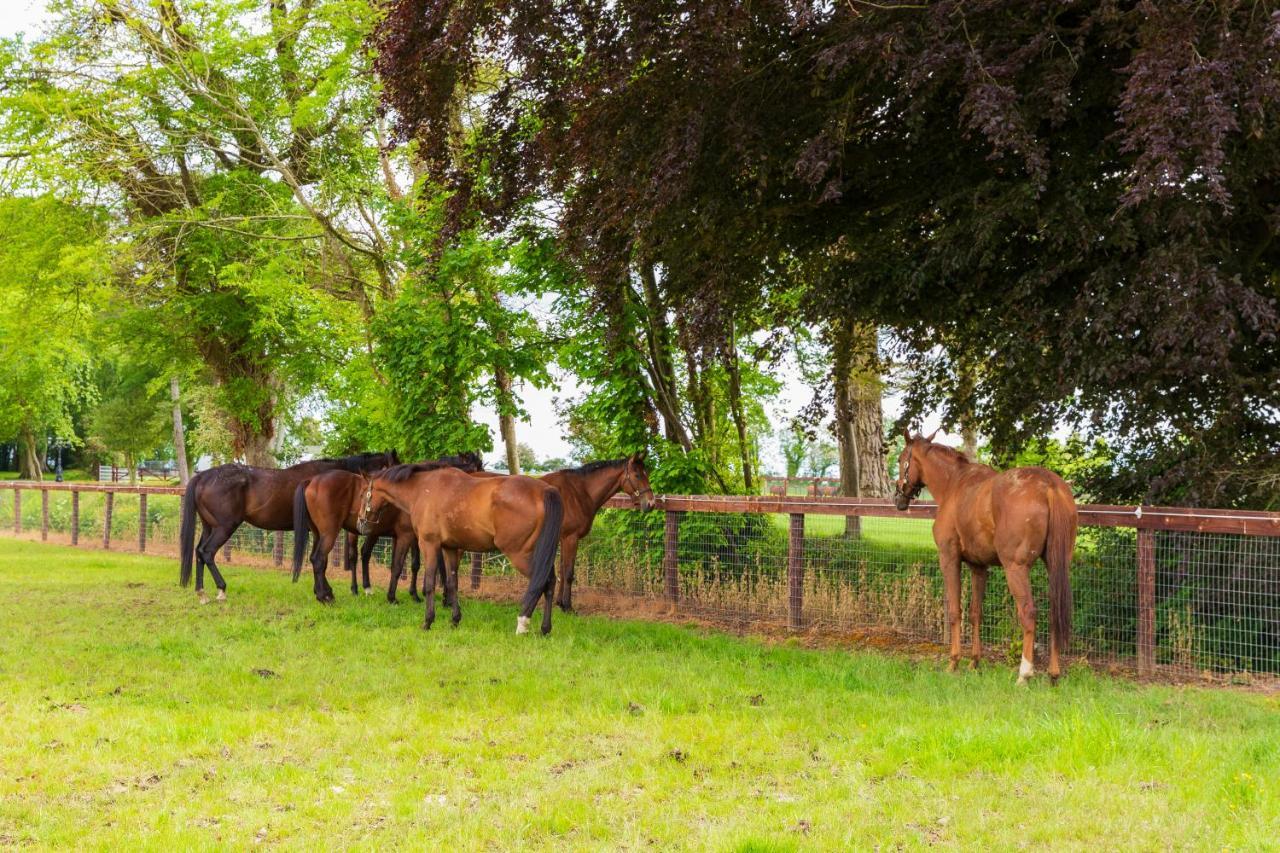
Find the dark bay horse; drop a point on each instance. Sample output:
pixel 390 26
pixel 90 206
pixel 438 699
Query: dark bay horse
pixel 454 512
pixel 227 496
pixel 993 518
pixel 329 503
pixel 584 490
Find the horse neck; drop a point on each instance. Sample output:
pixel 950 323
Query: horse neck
pixel 399 494
pixel 939 473
pixel 601 484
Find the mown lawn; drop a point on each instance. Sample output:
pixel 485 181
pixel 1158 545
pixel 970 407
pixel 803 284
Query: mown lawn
pixel 131 717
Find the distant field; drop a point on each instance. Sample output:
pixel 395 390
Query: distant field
pixel 131 717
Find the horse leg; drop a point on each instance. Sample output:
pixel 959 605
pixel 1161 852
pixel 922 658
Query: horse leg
pixel 366 553
pixel 348 557
pixel 364 562
pixel 204 537
pixel 415 566
pixel 430 556
pixel 1018 576
pixel 568 556
pixel 452 557
pixel 216 539
pixel 978 575
pixel 400 546
pixel 951 582
pixel 548 591
pixel 319 564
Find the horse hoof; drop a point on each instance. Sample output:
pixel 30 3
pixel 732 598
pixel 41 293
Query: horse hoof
pixel 567 608
pixel 222 595
pixel 546 629
pixel 368 590
pixel 953 665
pixel 1053 680
pixel 973 664
pixel 1022 681
pixel 522 624
pixel 202 597
pixel 391 600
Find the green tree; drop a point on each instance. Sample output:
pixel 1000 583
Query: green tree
pixel 53 277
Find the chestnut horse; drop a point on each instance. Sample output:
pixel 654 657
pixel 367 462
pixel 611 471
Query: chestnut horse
pixel 584 491
pixel 329 503
pixel 992 518
pixel 454 512
pixel 229 495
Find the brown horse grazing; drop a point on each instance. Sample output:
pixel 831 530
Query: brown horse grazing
pixel 329 503
pixel 454 512
pixel 990 518
pixel 229 495
pixel 584 490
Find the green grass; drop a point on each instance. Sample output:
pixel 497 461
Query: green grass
pixel 131 717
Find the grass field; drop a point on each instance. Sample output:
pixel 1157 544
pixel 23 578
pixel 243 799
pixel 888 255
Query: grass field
pixel 131 717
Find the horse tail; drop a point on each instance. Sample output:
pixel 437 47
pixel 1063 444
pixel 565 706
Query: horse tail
pixel 1058 551
pixel 301 526
pixel 544 549
pixel 187 530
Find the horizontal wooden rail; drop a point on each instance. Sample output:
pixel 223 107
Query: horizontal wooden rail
pixel 1191 519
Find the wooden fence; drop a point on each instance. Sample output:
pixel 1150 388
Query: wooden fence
pixel 1147 521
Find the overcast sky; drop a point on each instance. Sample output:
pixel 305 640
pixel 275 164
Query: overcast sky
pixel 542 429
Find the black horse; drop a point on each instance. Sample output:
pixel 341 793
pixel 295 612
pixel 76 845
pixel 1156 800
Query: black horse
pixel 229 495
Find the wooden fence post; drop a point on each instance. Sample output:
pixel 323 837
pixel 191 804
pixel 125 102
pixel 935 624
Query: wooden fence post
pixel 44 515
pixel 477 569
pixel 795 573
pixel 106 520
pixel 75 517
pixel 277 549
pixel 226 552
pixel 1146 601
pixel 17 510
pixel 670 556
pixel 142 522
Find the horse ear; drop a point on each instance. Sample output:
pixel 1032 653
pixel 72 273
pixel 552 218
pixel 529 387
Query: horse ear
pixel 640 457
pixel 932 434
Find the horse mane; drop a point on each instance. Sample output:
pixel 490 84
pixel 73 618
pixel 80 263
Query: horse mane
pixel 468 461
pixel 950 452
pixel 359 463
pixel 591 467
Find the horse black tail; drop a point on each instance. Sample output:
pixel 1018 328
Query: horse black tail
pixel 301 526
pixel 1058 552
pixel 544 549
pixel 187 530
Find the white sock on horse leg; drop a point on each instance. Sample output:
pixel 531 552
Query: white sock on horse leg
pixel 522 624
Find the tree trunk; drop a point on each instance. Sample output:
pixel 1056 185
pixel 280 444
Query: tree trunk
pixel 507 421
pixel 859 417
pixel 179 433
pixel 30 465
pixel 968 430
pixel 735 407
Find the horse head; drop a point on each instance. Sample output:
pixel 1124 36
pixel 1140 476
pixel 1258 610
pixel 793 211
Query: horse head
pixel 635 481
pixel 910 472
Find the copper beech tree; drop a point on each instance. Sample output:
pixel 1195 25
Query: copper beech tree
pixel 1080 198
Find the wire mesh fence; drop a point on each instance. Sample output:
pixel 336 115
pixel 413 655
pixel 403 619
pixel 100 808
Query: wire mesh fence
pixel 1196 598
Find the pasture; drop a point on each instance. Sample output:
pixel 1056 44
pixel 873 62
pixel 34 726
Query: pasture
pixel 131 717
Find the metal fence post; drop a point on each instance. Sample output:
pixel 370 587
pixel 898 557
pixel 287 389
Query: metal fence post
pixel 106 520
pixel 75 517
pixel 142 522
pixel 670 556
pixel 477 569
pixel 1146 646
pixel 795 573
pixel 17 510
pixel 44 515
